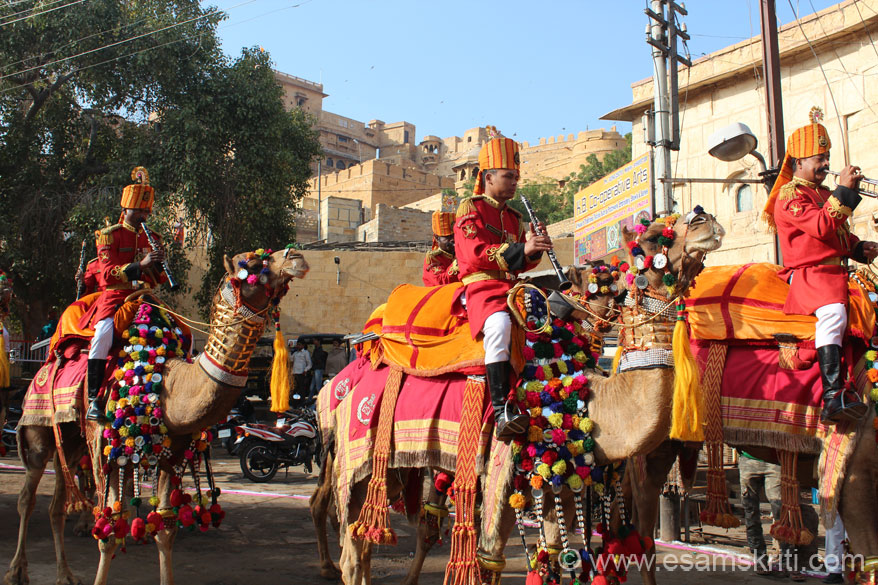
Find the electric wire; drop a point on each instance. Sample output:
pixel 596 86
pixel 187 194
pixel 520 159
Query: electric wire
pixel 186 38
pixel 122 42
pixel 865 28
pixel 840 62
pixel 825 79
pixel 2 24
pixel 20 12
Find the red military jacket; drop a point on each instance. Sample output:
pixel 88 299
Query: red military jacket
pixel 121 247
pixel 90 279
pixel 439 268
pixel 489 241
pixel 812 226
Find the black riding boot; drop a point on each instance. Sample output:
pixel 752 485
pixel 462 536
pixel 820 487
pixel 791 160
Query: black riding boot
pixel 508 421
pixel 96 369
pixel 838 403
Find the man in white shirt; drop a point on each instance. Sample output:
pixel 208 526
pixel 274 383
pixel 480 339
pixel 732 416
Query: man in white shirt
pixel 301 366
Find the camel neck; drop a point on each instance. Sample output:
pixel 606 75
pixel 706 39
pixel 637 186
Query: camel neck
pixel 234 331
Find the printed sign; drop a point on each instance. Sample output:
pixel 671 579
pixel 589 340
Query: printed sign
pixel 604 207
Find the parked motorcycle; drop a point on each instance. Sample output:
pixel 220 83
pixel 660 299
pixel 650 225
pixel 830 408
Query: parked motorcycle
pixel 227 431
pixel 9 433
pixel 291 441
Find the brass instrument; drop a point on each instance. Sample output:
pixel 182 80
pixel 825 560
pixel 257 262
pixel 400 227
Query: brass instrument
pixel 868 187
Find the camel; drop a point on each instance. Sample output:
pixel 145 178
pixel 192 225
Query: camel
pixel 618 435
pixel 600 311
pixel 191 399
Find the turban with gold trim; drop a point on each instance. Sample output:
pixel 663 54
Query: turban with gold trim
pixel 443 223
pixel 498 153
pixel 805 142
pixel 140 195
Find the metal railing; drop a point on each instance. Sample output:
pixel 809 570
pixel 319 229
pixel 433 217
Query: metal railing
pixel 28 352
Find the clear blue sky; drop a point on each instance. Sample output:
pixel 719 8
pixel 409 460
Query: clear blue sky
pixel 532 69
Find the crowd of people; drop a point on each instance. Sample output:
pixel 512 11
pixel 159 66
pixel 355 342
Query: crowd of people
pixel 310 365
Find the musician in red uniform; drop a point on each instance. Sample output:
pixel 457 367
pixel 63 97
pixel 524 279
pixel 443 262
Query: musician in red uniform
pixel 491 247
pixel 89 278
pixel 440 266
pixel 815 239
pixel 125 262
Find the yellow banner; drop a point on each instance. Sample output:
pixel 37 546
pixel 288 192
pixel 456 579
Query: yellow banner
pixel 601 209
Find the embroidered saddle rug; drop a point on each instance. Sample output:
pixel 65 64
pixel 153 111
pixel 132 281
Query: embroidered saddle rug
pixel 426 422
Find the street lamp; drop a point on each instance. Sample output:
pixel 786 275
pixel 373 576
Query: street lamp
pixel 734 142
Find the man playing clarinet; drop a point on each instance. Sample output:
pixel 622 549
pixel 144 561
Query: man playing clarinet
pixel 491 247
pixel 125 262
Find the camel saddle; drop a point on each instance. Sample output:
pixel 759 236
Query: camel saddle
pixel 55 395
pixel 421 334
pixel 745 303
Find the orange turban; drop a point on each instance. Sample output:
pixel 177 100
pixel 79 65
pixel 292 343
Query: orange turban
pixel 443 223
pixel 498 153
pixel 139 195
pixel 807 141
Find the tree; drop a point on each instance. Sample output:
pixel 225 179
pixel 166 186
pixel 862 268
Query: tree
pixel 73 85
pixel 92 90
pixel 240 160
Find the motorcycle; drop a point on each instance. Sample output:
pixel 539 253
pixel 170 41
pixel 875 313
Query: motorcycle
pixel 227 431
pixel 9 432
pixel 291 441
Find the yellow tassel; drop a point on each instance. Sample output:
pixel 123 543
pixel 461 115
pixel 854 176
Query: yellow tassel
pixel 4 362
pixel 280 375
pixel 687 422
pixel 616 359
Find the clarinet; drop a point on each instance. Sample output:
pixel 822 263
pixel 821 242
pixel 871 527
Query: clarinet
pixel 80 284
pixel 564 284
pixel 172 283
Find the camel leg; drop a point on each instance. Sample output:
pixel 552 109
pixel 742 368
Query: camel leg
pixel 351 558
pixel 859 494
pixel 164 538
pixel 58 517
pixel 35 447
pixel 642 499
pixel 319 504
pixel 108 549
pixel 426 538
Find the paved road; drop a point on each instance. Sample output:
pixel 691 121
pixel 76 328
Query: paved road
pixel 268 537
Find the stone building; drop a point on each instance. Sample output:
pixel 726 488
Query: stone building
pixel 727 86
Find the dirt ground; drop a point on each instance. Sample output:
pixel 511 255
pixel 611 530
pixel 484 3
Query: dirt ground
pixel 268 537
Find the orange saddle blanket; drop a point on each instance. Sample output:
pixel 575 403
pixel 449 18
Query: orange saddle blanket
pixel 745 302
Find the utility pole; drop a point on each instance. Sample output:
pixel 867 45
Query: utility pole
pixel 662 35
pixel 774 103
pixel 319 199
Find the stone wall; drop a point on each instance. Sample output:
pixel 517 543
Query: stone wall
pixel 339 219
pixel 727 87
pixel 396 224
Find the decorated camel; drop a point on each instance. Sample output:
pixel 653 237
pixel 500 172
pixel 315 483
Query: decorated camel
pixel 596 313
pixel 592 428
pixel 760 382
pixel 174 406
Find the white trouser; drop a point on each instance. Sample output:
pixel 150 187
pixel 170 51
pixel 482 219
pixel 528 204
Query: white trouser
pixel 102 342
pixel 834 546
pixel 832 320
pixel 497 335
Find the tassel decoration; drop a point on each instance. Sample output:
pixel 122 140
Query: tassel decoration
pixel 280 370
pixel 687 420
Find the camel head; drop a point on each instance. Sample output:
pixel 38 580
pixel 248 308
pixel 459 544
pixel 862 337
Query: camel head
pixel 692 237
pixel 596 287
pixel 265 275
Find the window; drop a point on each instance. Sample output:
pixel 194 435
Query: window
pixel 475 172
pixel 743 198
pixel 330 163
pixel 339 165
pixel 343 123
pixel 463 175
pixel 469 138
pixel 405 139
pixel 342 138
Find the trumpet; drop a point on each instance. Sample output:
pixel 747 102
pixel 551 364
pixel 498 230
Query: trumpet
pixel 868 187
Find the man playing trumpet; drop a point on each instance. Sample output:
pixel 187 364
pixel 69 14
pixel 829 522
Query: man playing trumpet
pixel 815 239
pixel 125 262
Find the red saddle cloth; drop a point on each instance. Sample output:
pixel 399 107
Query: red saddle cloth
pixel 425 428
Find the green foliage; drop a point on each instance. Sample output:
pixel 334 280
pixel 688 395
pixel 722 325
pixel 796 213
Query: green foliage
pixel 240 159
pixel 76 115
